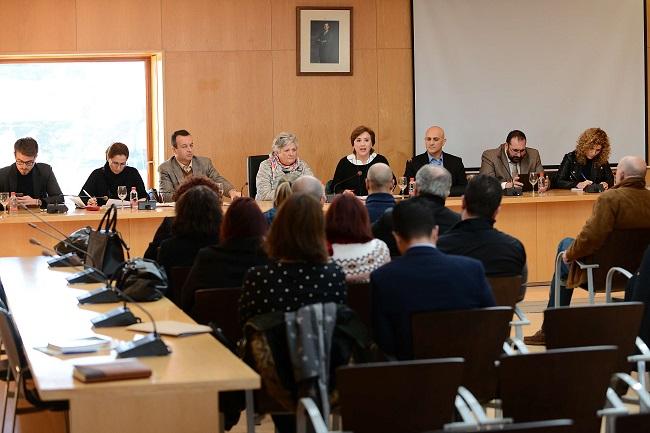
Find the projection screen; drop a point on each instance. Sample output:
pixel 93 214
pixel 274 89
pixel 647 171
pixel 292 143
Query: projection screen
pixel 551 68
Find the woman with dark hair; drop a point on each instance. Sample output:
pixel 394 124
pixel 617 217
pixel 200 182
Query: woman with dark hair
pixel 352 170
pixel 219 266
pixel 196 225
pixel 587 164
pixel 353 248
pixel 301 272
pixel 105 180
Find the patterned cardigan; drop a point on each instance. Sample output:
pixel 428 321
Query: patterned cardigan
pixel 267 180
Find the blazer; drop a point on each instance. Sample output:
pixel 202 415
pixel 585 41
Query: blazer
pixel 494 162
pixel 46 188
pixel 570 173
pixel 423 279
pixel 453 164
pixel 171 174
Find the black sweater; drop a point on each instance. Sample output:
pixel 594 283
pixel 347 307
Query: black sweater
pixel 345 176
pixel 103 182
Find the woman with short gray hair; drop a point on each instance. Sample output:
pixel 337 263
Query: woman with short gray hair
pixel 283 164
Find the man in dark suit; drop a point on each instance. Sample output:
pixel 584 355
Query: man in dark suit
pixel 422 279
pixel 434 140
pixel 35 181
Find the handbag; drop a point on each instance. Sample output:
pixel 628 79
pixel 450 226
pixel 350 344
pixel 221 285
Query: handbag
pixel 78 238
pixel 105 245
pixel 143 280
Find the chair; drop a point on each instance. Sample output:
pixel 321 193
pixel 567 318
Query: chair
pixel 220 306
pixel 475 335
pixel 359 299
pixel 633 423
pixel 550 426
pixel 178 276
pixel 559 383
pixel 252 167
pixel 507 292
pixel 19 372
pixel 408 396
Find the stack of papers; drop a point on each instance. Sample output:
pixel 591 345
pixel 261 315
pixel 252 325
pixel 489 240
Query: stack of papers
pixel 77 345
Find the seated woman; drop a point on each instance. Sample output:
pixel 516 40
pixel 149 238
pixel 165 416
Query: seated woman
pixel 282 192
pixel 347 227
pixel 196 225
pixel 105 180
pixel 283 164
pixel 352 170
pixel 588 163
pixel 242 231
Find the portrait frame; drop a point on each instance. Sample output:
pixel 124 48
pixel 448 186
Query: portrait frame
pixel 323 40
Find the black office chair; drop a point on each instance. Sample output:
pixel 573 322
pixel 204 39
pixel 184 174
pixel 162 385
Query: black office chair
pixel 252 167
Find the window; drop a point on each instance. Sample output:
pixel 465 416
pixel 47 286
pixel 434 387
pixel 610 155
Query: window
pixel 75 108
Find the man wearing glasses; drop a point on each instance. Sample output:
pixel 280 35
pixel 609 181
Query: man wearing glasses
pixel 510 159
pixel 34 183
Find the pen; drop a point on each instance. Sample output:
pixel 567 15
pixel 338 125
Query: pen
pixel 90 196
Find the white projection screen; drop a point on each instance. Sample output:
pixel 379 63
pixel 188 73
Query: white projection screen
pixel 551 68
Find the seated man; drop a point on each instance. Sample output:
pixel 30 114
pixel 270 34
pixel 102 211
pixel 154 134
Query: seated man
pixel 475 236
pixel 35 182
pixel 510 159
pixel 624 206
pixel 380 186
pixel 309 185
pixel 423 279
pixel 184 163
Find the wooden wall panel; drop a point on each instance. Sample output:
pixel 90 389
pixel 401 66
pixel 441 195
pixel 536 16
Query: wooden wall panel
pixel 322 111
pixel 216 25
pixel 118 25
pixel 393 23
pixel 37 26
pixel 224 99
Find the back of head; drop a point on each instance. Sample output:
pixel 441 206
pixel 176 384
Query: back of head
pixel 431 179
pixel 182 133
pixel 243 219
pixel 27 146
pixel 413 219
pixel 192 181
pixel 198 213
pixel 380 178
pixel 298 231
pixel 632 166
pixel 282 192
pixel 117 149
pixel 483 196
pixel 308 185
pixel 347 221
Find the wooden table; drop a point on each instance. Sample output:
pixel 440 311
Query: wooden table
pixel 180 396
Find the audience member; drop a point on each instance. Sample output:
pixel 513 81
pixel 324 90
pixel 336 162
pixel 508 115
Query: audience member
pixel 432 185
pixel 34 182
pixel 282 192
pixel 638 289
pixel 240 248
pixel 423 279
pixel 625 206
pixel 348 233
pixel 184 163
pixel 104 181
pixel 475 236
pixel 380 186
pixel 434 140
pixel 309 185
pixel 588 163
pixel 283 164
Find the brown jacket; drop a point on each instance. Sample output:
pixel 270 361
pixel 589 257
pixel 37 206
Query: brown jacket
pixel 625 206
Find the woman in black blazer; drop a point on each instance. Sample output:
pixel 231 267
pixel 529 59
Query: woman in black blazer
pixel 587 164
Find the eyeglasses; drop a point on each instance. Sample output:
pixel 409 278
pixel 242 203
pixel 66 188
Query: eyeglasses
pixel 117 164
pixel 519 151
pixel 25 163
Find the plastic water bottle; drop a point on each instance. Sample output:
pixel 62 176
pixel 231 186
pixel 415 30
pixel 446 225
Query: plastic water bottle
pixel 13 203
pixel 411 187
pixel 133 196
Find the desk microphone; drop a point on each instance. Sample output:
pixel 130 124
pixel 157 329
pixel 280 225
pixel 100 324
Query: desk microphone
pixel 66 260
pixel 241 190
pixel 357 174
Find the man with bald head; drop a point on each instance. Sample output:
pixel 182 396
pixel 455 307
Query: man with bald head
pixel 379 184
pixel 309 185
pixel 624 206
pixel 434 140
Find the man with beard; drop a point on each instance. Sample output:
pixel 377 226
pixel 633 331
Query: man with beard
pixel 510 159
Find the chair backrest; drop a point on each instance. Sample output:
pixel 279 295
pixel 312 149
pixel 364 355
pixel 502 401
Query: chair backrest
pixel 220 306
pixel 506 290
pixel 559 383
pixel 359 299
pixel 12 343
pixel 633 423
pixel 177 277
pixel 475 335
pixel 252 167
pixel 405 397
pixel 623 248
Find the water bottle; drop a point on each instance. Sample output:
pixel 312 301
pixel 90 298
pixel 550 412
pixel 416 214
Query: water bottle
pixel 13 203
pixel 412 187
pixel 133 196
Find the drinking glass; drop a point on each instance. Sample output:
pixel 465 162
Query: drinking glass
pixel 533 177
pixel 121 193
pixel 401 182
pixel 4 199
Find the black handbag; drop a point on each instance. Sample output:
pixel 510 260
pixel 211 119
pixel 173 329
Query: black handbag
pixel 143 280
pixel 105 245
pixel 78 238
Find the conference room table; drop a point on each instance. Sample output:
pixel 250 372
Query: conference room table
pixel 180 396
pixel 540 221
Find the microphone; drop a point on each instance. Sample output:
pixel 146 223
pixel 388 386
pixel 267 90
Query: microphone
pixel 241 190
pixel 66 260
pixel 357 174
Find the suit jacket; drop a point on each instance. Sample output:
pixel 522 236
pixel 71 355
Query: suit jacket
pixel 423 279
pixel 46 187
pixel 494 162
pixel 453 164
pixel 171 174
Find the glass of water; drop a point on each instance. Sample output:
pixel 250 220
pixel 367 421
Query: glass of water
pixel 401 182
pixel 4 199
pixel 121 193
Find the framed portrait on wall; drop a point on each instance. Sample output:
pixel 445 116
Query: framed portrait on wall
pixel 323 40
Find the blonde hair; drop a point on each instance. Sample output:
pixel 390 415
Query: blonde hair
pixel 589 139
pixel 282 192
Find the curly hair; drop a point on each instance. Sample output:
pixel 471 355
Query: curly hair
pixel 590 138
